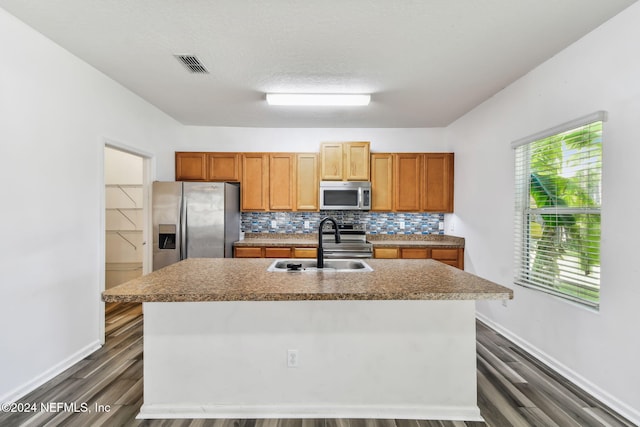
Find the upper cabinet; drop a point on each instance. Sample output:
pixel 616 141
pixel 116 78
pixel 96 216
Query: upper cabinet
pixel 344 161
pixel 423 182
pixel 282 181
pixel 400 182
pixel 407 188
pixel 307 184
pixel 192 166
pixel 382 182
pixel 438 182
pixel 223 167
pixel 254 192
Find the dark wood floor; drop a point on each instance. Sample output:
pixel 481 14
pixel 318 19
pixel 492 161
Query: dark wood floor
pixel 513 390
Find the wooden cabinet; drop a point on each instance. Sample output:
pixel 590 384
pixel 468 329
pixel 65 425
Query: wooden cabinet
pixel 191 166
pixel 450 256
pixel 247 252
pixel 414 253
pixel 386 253
pixel 277 252
pixel 344 161
pixel 305 252
pixel 423 182
pixel 331 161
pixel 223 167
pixel 255 182
pixel 273 252
pixel 282 181
pixel 407 186
pixel 307 184
pixel 400 182
pixel 438 182
pixel 382 182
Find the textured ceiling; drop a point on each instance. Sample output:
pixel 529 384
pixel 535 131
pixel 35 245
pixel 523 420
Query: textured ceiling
pixel 425 62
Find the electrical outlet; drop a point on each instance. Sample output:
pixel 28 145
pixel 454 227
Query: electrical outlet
pixel 307 225
pixel 401 225
pixel 274 224
pixel 292 358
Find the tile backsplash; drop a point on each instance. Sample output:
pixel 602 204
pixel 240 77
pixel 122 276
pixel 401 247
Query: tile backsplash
pixel 375 222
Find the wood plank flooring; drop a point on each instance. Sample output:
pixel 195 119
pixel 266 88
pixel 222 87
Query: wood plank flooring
pixel 514 389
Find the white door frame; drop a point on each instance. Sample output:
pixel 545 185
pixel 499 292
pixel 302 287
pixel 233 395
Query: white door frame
pixel 148 170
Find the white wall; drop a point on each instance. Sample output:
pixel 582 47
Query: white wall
pixel 599 350
pixel 309 139
pixel 55 112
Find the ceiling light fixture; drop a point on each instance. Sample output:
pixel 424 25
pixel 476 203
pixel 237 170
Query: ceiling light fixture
pixel 318 99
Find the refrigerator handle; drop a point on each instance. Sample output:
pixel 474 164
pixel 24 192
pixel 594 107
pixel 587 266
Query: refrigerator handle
pixel 183 228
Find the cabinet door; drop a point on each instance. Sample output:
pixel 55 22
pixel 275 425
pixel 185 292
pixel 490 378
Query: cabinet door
pixel 381 182
pixel 255 182
pixel 407 182
pixel 307 185
pixel 446 255
pixel 356 161
pixel 331 161
pixel 223 167
pixel 438 182
pixel 191 166
pixel 281 181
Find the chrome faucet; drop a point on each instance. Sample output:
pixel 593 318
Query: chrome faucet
pixel 320 258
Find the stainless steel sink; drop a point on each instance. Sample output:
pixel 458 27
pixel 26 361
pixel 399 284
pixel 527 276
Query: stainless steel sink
pixel 341 265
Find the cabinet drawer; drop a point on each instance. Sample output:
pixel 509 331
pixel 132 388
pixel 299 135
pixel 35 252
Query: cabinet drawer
pixel 305 252
pixel 414 253
pixel 444 254
pixel 277 252
pixel 248 252
pixel 385 253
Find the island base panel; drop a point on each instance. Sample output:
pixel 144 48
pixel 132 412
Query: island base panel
pixel 356 359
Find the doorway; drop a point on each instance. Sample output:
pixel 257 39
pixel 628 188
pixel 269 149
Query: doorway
pixel 126 225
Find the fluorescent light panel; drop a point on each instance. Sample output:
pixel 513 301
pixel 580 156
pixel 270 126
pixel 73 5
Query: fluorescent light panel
pixel 317 99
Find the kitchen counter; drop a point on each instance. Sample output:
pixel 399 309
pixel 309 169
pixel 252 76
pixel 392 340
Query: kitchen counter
pixel 224 338
pixel 247 279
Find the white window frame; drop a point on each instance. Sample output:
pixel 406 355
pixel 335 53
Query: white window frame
pixel 523 210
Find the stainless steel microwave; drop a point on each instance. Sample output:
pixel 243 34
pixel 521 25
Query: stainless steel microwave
pixel 345 195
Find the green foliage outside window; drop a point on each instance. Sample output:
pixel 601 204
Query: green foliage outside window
pixel 562 220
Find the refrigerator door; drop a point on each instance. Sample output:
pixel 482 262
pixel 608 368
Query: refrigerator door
pixel 166 211
pixel 232 218
pixel 203 220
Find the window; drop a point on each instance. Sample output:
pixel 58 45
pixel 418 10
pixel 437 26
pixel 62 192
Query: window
pixel 557 220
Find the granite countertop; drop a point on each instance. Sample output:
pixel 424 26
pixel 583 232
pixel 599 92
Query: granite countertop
pixel 247 279
pixel 378 240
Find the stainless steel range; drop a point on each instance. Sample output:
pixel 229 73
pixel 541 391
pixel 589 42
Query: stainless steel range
pixel 353 242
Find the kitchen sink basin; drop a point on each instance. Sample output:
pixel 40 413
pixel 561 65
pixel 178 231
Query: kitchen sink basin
pixel 305 265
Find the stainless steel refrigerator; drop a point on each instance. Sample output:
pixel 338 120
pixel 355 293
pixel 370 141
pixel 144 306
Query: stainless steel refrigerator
pixel 194 220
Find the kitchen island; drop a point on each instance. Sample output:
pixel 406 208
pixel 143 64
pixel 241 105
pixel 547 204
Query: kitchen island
pixel 224 338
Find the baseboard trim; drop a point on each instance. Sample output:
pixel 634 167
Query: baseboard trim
pixel 617 405
pixel 167 411
pixel 50 373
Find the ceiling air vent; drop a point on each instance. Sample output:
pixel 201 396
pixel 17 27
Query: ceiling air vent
pixel 192 63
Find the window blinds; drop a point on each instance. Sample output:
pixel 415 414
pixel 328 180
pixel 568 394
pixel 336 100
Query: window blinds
pixel 557 213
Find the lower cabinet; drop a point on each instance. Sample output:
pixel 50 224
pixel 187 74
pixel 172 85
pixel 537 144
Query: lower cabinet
pixel 450 256
pixel 273 252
